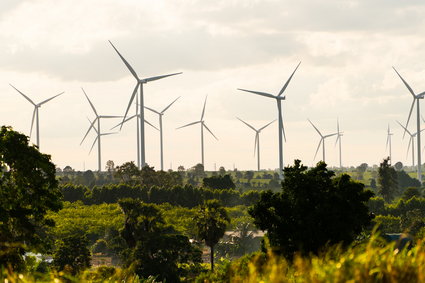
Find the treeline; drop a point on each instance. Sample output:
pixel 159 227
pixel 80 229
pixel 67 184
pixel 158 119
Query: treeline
pixel 185 196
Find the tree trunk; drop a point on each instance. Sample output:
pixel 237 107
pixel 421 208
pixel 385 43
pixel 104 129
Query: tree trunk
pixel 212 258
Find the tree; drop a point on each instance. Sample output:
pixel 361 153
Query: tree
pixel 28 190
pixel 127 172
pixel 72 254
pixel 154 248
pixel 110 166
pixel 219 182
pixel 222 171
pixel 360 170
pixel 211 222
pixel 249 175
pixel 387 180
pixel 313 209
pixel 199 170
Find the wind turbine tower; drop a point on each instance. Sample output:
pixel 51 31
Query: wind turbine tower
pixel 416 98
pixel 281 131
pixel 257 139
pixel 322 140
pixel 98 131
pixel 338 139
pixel 35 114
pixel 160 114
pixel 203 125
pixel 139 86
pixel 389 134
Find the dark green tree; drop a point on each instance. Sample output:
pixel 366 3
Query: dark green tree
pixel 72 254
pixel 219 182
pixel 315 208
pixel 411 192
pixel 127 173
pixel 211 221
pixel 28 190
pixel 154 248
pixel 387 180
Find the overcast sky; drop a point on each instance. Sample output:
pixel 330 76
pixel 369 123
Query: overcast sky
pixel 347 49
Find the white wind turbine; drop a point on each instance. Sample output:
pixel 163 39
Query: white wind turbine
pixel 35 114
pixel 416 98
pixel 338 138
pixel 389 134
pixel 411 142
pixel 281 130
pixel 203 125
pixel 98 131
pixel 322 140
pixel 257 139
pixel 160 114
pixel 139 85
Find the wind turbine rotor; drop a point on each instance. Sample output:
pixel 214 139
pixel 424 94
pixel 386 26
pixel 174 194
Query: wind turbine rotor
pixel 27 98
pixel 209 131
pixel 165 109
pixel 287 82
pixel 129 104
pixel 258 92
pixel 151 79
pixel 190 124
pixel 47 100
pixel 132 71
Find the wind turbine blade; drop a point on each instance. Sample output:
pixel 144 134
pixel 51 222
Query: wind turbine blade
pixel 258 92
pixel 160 77
pixel 388 140
pixel 47 100
pixel 165 109
pixel 246 124
pixel 203 109
pixel 287 82
pixel 147 122
pixel 405 129
pixel 153 110
pixel 410 114
pixel 330 135
pixel 91 104
pixel 126 120
pixel 129 104
pixel 256 141
pixel 94 142
pixel 91 126
pixel 337 125
pixel 32 120
pixel 406 84
pixel 318 146
pixel 126 63
pixel 109 116
pixel 408 147
pixel 279 106
pixel 315 128
pixel 210 131
pixel 337 138
pixel 107 134
pixel 32 102
pixel 260 129
pixel 190 124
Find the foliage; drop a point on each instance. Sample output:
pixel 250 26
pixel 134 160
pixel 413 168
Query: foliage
pixel 127 172
pixel 411 192
pixel 387 180
pixel 28 190
pixel 218 182
pixel 312 202
pixel 404 180
pixel 72 254
pixel 154 248
pixel 374 261
pixel 211 222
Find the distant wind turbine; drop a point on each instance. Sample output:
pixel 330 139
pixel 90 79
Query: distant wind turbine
pixel 160 114
pixel 389 134
pixel 97 130
pixel 416 98
pixel 203 125
pixel 411 142
pixel 139 85
pixel 281 130
pixel 322 140
pixel 338 138
pixel 35 114
pixel 257 139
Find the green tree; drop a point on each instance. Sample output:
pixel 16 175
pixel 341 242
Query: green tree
pixel 411 192
pixel 211 222
pixel 219 182
pixel 72 254
pixel 28 190
pixel 154 248
pixel 127 172
pixel 387 180
pixel 315 208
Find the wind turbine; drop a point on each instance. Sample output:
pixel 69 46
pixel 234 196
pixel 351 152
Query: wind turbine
pixel 97 130
pixel 322 140
pixel 338 138
pixel 281 130
pixel 389 134
pixel 160 114
pixel 35 113
pixel 411 142
pixel 257 139
pixel 139 85
pixel 203 125
pixel 416 98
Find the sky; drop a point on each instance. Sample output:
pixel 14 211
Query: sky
pixel 347 50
